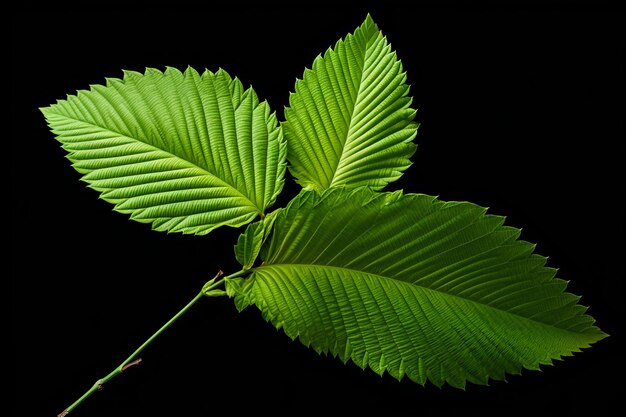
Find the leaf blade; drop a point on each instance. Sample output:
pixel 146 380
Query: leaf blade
pixel 249 244
pixel 174 149
pixel 251 240
pixel 349 122
pixel 483 307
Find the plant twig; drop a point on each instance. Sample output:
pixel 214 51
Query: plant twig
pixel 133 359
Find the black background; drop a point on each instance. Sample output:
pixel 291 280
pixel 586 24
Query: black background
pixel 522 110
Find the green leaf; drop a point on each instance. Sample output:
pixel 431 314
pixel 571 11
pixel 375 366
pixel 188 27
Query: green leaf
pixel 349 120
pixel 414 286
pixel 183 151
pixel 249 243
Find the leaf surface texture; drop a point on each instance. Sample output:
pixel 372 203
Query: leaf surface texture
pixel 187 152
pixel 414 286
pixel 349 122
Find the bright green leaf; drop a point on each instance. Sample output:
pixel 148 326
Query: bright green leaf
pixel 249 243
pixel 413 286
pixel 349 121
pixel 183 151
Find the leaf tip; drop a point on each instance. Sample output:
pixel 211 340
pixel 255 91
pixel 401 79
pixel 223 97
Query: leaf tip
pixel 46 110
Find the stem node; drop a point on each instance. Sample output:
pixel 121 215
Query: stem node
pixel 129 364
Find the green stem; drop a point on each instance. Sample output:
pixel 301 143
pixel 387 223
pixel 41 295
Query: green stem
pixel 133 358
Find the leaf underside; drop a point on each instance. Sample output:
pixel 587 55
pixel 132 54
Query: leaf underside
pixel 413 286
pixel 187 152
pixel 349 122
